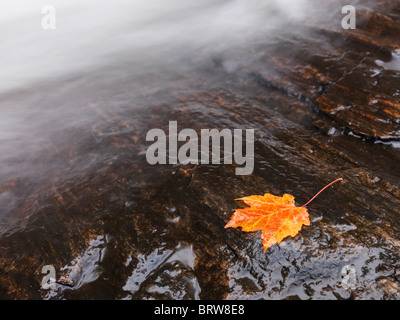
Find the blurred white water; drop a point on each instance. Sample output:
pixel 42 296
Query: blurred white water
pixel 57 84
pixel 93 33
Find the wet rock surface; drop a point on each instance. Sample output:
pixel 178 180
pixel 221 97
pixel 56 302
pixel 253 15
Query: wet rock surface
pixel 114 227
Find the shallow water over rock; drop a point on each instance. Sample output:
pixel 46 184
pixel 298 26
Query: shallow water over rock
pixel 115 227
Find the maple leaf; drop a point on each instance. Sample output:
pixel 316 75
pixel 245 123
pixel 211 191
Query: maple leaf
pixel 277 217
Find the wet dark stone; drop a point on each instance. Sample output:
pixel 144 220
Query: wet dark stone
pixel 115 227
pixel 353 76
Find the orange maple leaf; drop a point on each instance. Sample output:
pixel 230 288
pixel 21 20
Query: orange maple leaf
pixel 276 217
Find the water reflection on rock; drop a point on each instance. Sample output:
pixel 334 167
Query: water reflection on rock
pixel 115 227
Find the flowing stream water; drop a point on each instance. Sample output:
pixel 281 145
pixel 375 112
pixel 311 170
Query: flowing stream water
pixel 76 191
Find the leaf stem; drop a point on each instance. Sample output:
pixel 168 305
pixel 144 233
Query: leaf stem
pixel 340 179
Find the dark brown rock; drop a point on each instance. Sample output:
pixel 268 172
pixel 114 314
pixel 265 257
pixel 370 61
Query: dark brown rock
pixel 115 227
